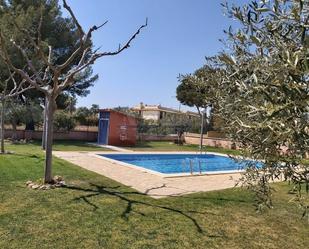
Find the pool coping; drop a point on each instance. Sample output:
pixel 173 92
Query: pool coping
pixel 164 175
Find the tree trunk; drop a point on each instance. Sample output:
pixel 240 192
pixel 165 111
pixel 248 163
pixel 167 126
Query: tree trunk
pixel 2 125
pixel 202 131
pixel 50 110
pixel 44 126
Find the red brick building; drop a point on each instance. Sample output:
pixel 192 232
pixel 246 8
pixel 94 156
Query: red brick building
pixel 116 128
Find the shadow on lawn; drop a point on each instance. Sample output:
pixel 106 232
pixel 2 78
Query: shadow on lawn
pixel 24 155
pixel 220 199
pixel 125 196
pixel 143 145
pixel 60 142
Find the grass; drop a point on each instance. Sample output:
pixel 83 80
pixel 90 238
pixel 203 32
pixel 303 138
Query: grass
pixel 96 212
pixel 64 145
pixel 170 146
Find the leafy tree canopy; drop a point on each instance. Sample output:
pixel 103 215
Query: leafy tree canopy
pixel 87 116
pixel 263 92
pixel 196 89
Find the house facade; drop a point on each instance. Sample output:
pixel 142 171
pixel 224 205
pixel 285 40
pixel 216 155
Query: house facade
pixel 158 112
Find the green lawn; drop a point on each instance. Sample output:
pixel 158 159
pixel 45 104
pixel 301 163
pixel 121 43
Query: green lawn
pixel 96 212
pixel 63 145
pixel 170 146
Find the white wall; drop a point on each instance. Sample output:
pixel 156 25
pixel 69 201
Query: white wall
pixel 151 115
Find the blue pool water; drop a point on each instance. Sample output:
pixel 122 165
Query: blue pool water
pixel 179 163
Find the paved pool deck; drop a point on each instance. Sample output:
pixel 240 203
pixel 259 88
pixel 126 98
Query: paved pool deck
pixel 144 181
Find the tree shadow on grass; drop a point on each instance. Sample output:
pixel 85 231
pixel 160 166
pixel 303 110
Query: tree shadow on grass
pixel 126 196
pixel 142 145
pixel 19 155
pixel 220 199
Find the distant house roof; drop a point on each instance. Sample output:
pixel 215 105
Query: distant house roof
pixel 142 107
pixel 114 111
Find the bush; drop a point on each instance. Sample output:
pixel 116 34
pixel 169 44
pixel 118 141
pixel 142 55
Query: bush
pixel 64 121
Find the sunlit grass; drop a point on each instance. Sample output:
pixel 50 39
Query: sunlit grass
pixel 59 145
pixel 96 212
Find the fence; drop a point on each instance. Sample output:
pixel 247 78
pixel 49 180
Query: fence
pixel 91 136
pixel 193 138
pixel 147 137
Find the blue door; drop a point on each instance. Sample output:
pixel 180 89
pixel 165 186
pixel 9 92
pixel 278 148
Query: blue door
pixel 103 128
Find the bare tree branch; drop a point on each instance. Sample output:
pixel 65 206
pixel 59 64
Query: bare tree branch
pixel 79 27
pixel 29 62
pixel 17 88
pixel 6 58
pixel 81 47
pixel 50 56
pixel 127 45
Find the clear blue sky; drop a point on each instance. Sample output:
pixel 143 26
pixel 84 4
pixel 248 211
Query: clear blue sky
pixel 179 35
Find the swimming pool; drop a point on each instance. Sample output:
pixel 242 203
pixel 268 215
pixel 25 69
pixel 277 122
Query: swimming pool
pixel 179 163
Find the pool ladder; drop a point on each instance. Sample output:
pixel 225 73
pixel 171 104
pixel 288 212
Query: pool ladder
pixel 191 165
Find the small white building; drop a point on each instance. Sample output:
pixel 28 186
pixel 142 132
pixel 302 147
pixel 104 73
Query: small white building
pixel 157 112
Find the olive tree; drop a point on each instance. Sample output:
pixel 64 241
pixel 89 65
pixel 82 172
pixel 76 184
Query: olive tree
pixel 264 93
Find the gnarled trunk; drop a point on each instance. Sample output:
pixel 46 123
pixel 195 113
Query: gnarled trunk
pixel 50 110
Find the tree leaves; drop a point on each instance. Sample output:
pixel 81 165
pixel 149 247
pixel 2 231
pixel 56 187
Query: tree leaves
pixel 255 40
pixel 230 60
pixel 264 91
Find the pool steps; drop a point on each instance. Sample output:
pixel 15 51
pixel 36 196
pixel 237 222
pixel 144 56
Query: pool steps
pixel 191 165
